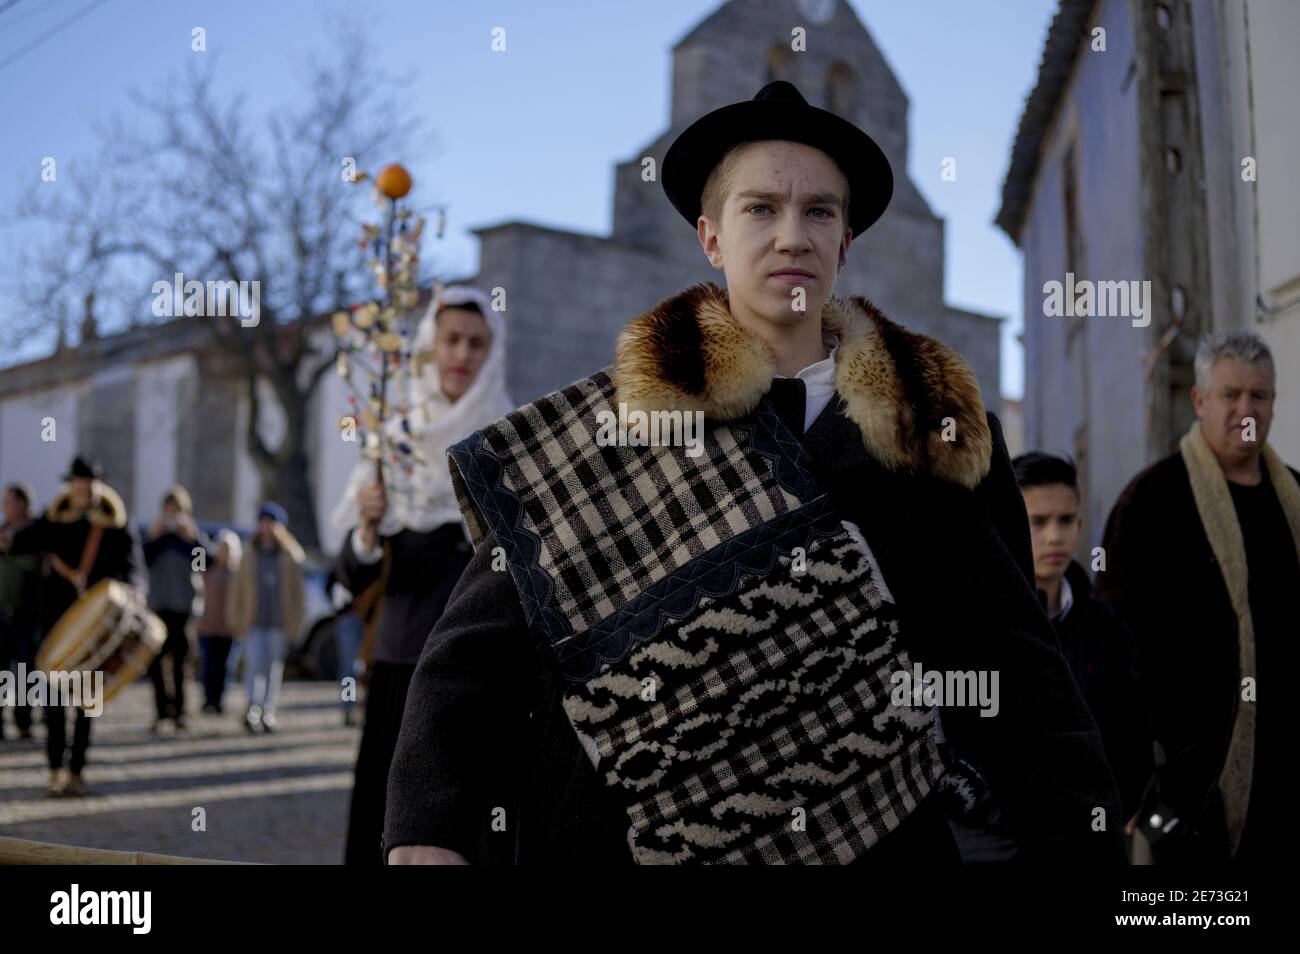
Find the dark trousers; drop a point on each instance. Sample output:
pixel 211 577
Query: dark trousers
pixel 175 649
pixel 384 704
pixel 215 653
pixel 17 645
pixel 56 741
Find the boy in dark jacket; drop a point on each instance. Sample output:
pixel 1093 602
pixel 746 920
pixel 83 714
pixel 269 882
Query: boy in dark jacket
pixel 1098 647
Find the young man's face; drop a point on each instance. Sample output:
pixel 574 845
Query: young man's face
pixel 1237 391
pixel 266 530
pixel 460 344
pixel 1054 525
pixel 783 210
pixel 81 491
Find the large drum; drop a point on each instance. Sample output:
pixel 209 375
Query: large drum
pixel 110 629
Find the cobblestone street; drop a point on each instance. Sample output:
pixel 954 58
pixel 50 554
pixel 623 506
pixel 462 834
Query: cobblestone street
pixel 280 798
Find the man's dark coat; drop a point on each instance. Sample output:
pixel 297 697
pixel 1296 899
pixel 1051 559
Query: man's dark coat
pixel 1163 579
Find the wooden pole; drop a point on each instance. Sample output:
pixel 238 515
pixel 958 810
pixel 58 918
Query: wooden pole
pixel 21 851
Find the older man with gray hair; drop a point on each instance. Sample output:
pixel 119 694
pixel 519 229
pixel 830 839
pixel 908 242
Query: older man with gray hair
pixel 1203 563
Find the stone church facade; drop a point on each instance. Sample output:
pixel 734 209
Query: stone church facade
pixel 652 253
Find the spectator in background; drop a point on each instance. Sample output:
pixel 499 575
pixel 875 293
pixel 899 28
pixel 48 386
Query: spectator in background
pixel 82 538
pixel 1203 565
pixel 170 550
pixel 17 601
pixel 265 608
pixel 213 628
pixel 1098 647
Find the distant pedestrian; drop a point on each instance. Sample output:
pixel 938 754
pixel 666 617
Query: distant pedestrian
pixel 169 550
pixel 215 639
pixel 265 608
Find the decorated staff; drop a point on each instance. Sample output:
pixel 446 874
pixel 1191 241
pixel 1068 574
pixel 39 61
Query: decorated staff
pixel 373 339
pixel 406 546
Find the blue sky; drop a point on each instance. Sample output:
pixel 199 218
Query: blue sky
pixel 502 125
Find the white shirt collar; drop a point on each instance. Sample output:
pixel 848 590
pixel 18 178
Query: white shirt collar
pixel 818 381
pixel 823 370
pixel 1067 599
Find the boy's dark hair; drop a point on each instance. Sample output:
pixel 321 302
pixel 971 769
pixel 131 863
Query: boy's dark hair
pixel 1036 468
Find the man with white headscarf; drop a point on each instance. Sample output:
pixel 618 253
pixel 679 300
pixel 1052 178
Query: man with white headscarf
pixel 408 538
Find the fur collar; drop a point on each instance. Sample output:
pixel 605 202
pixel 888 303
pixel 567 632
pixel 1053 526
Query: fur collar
pixel 689 353
pixel 106 507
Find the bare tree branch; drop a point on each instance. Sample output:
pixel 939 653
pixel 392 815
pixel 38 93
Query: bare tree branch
pixel 198 185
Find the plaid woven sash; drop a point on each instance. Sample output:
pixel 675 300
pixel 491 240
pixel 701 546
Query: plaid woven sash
pixel 727 646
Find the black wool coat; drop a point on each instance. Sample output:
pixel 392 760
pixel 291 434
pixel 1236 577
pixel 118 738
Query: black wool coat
pixel 488 765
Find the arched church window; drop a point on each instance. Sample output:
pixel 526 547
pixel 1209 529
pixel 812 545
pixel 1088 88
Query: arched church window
pixel 778 63
pixel 841 90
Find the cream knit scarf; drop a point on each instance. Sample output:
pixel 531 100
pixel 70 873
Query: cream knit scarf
pixel 1219 518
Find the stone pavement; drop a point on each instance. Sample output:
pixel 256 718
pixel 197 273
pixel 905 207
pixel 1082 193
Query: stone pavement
pixel 279 798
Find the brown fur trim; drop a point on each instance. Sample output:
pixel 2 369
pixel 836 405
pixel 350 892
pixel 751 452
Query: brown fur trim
pixel 689 353
pixel 106 507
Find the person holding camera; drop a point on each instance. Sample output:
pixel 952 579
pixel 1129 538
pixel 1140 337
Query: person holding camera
pixel 169 551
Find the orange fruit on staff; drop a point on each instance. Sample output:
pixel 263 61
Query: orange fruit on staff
pixel 394 181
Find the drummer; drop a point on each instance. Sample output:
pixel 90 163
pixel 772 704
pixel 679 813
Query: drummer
pixel 84 537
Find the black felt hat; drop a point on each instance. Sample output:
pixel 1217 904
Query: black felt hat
pixel 778 111
pixel 84 466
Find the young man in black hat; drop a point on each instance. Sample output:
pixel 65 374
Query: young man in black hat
pixel 675 649
pixel 84 537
